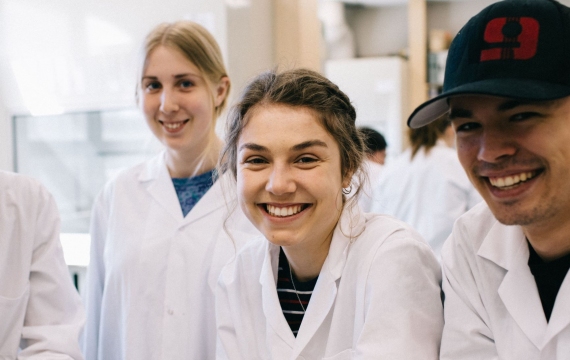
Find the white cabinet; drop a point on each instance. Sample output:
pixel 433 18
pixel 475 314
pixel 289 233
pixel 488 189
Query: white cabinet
pixel 377 88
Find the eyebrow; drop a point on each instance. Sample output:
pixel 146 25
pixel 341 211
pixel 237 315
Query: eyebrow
pixel 254 147
pixel 459 113
pixel 178 76
pixel 307 144
pixel 302 146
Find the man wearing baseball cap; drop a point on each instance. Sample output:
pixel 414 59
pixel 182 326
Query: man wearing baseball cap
pixel 507 91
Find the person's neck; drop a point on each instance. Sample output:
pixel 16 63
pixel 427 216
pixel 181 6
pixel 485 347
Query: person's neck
pixel 192 163
pixel 306 262
pixel 549 241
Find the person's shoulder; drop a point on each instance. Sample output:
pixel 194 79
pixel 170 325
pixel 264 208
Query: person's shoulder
pixel 129 174
pixel 247 262
pixel 444 156
pixel 22 186
pixel 478 217
pixel 127 178
pixel 471 229
pixel 389 240
pixel 386 228
pixel 255 249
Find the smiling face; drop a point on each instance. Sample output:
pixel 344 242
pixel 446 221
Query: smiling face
pixel 179 102
pixel 289 176
pixel 517 154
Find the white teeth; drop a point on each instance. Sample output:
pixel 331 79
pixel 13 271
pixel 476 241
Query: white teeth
pixel 173 126
pixel 283 211
pixel 502 182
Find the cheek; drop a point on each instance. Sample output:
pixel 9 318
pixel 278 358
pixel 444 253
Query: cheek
pixel 467 150
pixel 147 106
pixel 245 186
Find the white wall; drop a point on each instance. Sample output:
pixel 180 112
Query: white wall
pixel 378 31
pixel 64 55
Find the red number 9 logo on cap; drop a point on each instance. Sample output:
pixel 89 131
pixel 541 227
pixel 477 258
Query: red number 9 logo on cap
pixel 511 38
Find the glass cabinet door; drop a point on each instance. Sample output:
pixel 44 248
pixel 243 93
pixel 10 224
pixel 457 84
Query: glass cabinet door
pixel 74 154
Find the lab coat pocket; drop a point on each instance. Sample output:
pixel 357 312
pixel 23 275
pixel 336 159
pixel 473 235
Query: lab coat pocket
pixel 343 355
pixel 12 313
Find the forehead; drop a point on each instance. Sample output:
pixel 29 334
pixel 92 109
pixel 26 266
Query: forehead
pixel 269 123
pixel 168 60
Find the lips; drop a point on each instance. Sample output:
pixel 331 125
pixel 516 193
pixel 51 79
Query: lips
pixel 284 211
pixel 506 182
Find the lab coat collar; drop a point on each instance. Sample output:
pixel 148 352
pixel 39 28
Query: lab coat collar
pixel 161 188
pixel 349 227
pixel 507 247
pixel 270 299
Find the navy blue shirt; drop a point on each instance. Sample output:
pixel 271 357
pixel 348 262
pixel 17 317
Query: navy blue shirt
pixel 190 190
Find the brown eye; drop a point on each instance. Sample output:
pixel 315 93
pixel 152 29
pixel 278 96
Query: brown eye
pixel 255 161
pixel 306 160
pixel 154 85
pixel 468 126
pixel 523 116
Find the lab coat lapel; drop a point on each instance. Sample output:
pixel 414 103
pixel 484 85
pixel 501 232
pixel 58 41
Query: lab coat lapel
pixel 213 199
pixel 270 299
pixel 507 247
pixel 560 318
pixel 324 294
pixel 160 187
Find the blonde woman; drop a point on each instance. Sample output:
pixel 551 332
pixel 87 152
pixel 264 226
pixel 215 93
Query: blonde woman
pixel 160 229
pixel 327 281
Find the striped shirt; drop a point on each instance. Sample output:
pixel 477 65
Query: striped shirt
pixel 289 297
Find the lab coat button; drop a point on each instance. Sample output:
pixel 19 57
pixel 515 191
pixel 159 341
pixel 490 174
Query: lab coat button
pixel 170 312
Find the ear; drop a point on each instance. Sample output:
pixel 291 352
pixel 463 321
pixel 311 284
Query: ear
pixel 221 90
pixel 347 179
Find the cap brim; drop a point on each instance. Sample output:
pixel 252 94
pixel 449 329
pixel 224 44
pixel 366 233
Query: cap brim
pixel 511 88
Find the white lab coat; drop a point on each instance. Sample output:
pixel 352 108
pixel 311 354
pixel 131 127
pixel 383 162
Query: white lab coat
pixel 429 192
pixel 38 304
pixel 377 297
pixel 492 306
pixel 153 272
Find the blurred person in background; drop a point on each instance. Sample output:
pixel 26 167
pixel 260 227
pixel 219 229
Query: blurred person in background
pixel 372 165
pixel 160 230
pixel 426 186
pixel 375 145
pixel 41 315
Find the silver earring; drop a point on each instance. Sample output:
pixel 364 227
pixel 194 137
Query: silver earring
pixel 347 190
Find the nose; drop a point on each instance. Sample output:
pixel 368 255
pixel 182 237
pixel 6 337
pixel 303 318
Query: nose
pixel 281 181
pixel 168 102
pixel 495 146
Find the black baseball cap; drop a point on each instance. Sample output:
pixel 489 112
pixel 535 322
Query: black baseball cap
pixel 513 48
